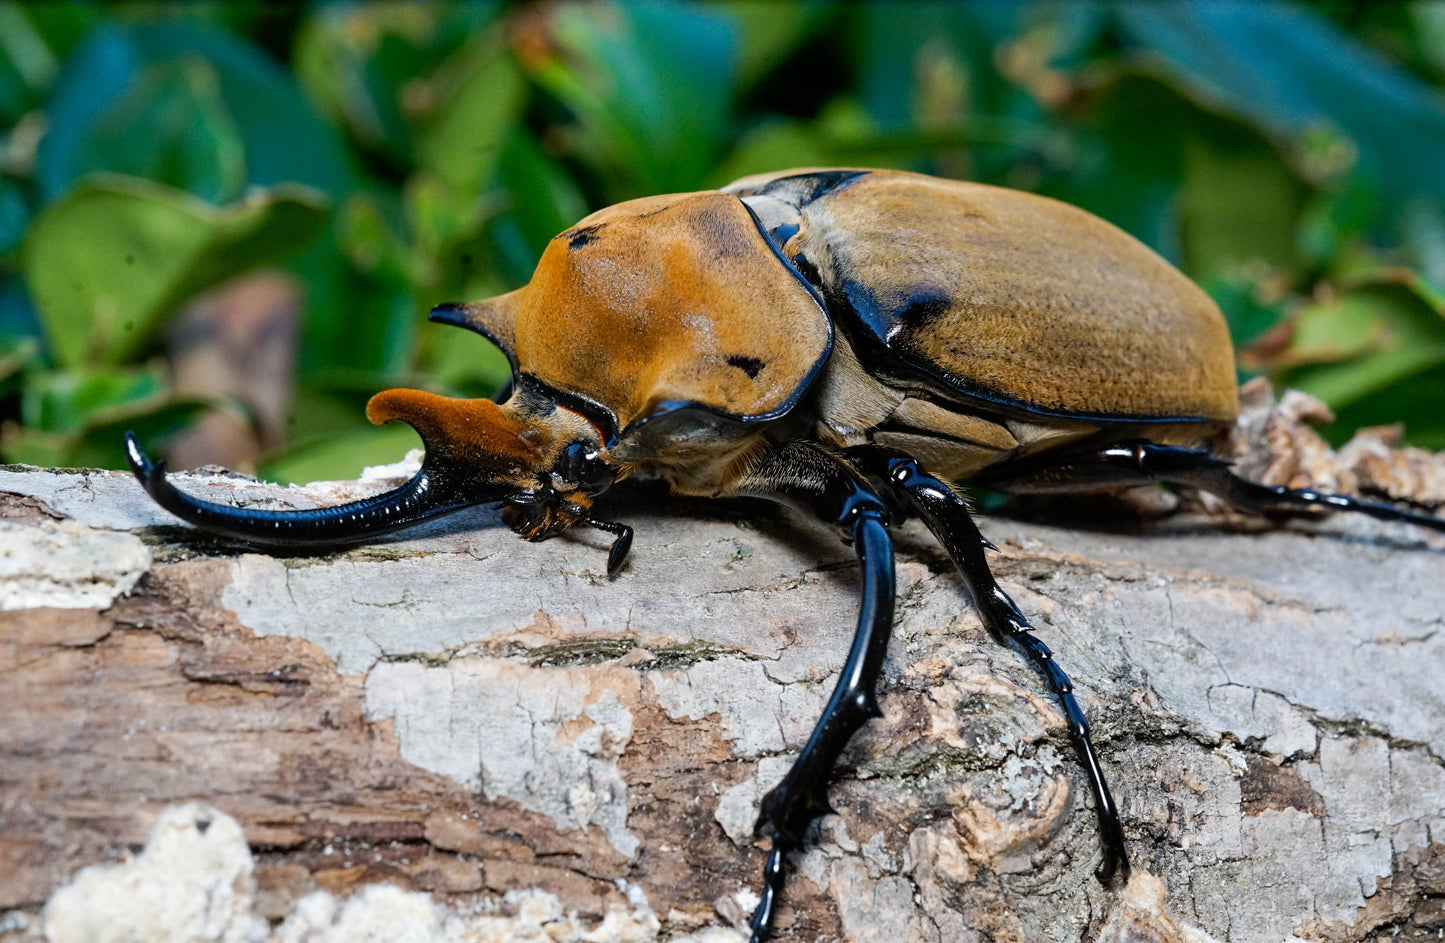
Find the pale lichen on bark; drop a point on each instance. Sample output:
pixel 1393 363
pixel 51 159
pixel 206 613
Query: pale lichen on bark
pixel 489 737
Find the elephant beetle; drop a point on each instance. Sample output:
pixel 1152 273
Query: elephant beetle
pixel 850 343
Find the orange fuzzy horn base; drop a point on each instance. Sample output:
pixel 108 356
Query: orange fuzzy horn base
pixel 475 435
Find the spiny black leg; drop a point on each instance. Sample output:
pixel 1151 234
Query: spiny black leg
pixel 947 515
pixel 1137 463
pixel 1201 470
pixel 791 806
pixel 817 483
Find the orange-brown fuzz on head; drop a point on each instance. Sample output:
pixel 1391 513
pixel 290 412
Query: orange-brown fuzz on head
pixel 668 299
pixel 475 432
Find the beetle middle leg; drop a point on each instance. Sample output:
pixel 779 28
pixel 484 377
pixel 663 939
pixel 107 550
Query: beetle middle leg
pixel 813 481
pixel 947 516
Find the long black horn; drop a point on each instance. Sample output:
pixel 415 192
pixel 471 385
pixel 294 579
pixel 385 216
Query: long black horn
pixel 428 494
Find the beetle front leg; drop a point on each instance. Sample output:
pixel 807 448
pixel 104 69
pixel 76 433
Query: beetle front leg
pixel 815 482
pixel 947 516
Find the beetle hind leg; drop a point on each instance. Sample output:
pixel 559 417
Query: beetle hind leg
pixel 947 516
pixel 1213 475
pixel 1140 463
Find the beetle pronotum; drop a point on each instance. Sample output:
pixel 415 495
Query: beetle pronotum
pixel 850 343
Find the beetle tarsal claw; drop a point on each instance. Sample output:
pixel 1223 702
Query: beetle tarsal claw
pixel 617 553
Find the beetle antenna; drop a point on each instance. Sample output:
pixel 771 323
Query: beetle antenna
pixel 617 555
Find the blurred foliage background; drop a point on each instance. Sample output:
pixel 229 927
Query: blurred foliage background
pixel 222 224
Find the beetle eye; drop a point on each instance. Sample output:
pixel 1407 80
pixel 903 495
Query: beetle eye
pixel 580 464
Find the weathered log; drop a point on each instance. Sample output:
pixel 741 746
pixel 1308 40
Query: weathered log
pixel 454 731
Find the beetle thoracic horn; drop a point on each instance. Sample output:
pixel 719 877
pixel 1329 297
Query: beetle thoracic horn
pixel 447 481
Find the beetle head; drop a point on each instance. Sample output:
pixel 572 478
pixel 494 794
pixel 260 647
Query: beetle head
pixel 660 304
pixel 545 463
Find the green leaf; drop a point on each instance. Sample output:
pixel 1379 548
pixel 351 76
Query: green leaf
pixel 773 145
pixel 98 442
pixel 65 400
pixel 370 65
pixel 482 94
pixel 542 200
pixel 342 457
pixel 1422 234
pixel 16 354
pixel 370 243
pixel 171 126
pixel 1246 308
pixel 14 215
pixel 1336 218
pixel 108 262
pixel 1372 337
pixel 769 32
pixel 282 136
pixel 325 409
pixel 652 86
pixel 1291 71
pixel 844 135
pixel 1429 22
pixel 891 46
pixel 438 218
pixel 18 318
pixel 1130 178
pixel 1414 403
pixel 27 64
pixel 1238 202
pixel 62 25
pixel 471 365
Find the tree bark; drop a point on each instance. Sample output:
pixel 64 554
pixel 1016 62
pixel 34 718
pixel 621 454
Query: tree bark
pixel 454 731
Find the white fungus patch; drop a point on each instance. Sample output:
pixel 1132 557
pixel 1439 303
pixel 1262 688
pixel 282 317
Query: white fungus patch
pixel 193 881
pixel 66 565
pixel 193 884
pixel 508 730
pixel 737 809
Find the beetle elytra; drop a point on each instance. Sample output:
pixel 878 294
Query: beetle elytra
pixel 850 343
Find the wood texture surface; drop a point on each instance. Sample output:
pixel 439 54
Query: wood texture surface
pixel 457 732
